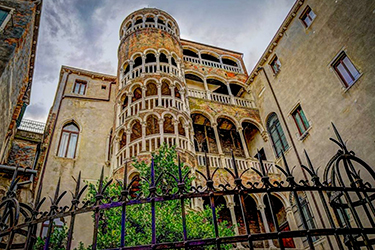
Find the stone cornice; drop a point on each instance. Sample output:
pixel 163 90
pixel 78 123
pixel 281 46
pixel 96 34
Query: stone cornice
pixel 104 77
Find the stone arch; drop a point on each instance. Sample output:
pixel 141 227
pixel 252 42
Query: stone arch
pixel 130 123
pixel 137 94
pixel 165 87
pixel 163 58
pixel 72 121
pixel 136 130
pixel 168 126
pixel 209 55
pixel 152 125
pixel 149 18
pixel 122 138
pixel 210 118
pixel 230 60
pixel 152 88
pixel 134 86
pixel 229 136
pixel 138 19
pixel 181 125
pixel 124 100
pixel 204 135
pixel 136 54
pixel 161 19
pixel 150 114
pixel 258 125
pixel 129 25
pixel 229 117
pixel 190 51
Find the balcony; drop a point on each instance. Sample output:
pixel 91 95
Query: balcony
pixel 217 161
pixel 209 63
pixel 226 99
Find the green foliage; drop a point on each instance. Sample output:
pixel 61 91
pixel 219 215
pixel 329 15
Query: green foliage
pixel 168 213
pixel 57 240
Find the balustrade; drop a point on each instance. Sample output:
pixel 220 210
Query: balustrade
pixel 221 98
pixel 212 64
pixel 150 25
pixel 214 160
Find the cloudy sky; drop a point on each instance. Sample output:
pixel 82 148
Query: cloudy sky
pixel 84 34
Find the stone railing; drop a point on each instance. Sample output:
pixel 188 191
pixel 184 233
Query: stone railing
pixel 212 64
pixel 149 144
pixel 227 99
pixel 150 25
pixel 224 161
pixel 149 68
pixel 150 102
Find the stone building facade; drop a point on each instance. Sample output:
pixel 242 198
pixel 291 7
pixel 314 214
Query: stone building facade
pixel 18 39
pixel 316 70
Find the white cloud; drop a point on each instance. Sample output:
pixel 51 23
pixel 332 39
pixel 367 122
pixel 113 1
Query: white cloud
pixel 84 34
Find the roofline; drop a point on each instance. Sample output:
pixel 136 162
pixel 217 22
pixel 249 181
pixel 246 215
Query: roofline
pixel 276 38
pixel 88 72
pixel 232 51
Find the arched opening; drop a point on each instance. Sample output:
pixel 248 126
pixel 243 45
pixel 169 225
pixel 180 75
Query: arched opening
pixel 237 90
pixel 137 94
pixel 150 58
pixel 161 20
pixel 163 58
pixel 137 62
pixel 169 25
pixel 150 19
pixel 126 68
pixel 204 135
pixel 168 124
pixel 194 82
pixel 221 205
pixel 229 62
pixel 177 93
pixel 128 26
pixel 68 141
pixel 210 57
pixel 136 131
pixel 217 86
pixel 229 137
pixel 181 129
pixel 253 139
pixel 173 61
pixel 135 185
pixel 152 125
pixel 152 89
pixel 124 101
pixel 278 210
pixel 139 20
pixel 253 217
pixel 165 90
pixel 188 52
pixel 122 136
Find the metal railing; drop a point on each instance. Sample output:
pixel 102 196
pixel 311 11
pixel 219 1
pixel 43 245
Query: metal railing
pixel 346 199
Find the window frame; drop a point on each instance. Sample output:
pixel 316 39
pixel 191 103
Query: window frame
pixel 274 59
pixel 306 13
pixel 284 148
pixel 80 83
pixel 339 60
pixel 7 19
pixel 297 110
pixel 68 141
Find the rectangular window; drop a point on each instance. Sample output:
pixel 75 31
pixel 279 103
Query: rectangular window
pixel 307 16
pixel 300 120
pixel 275 65
pixel 345 69
pixel 3 15
pixel 79 87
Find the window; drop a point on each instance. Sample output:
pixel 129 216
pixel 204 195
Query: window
pixel 300 120
pixel 58 224
pixel 275 65
pixel 345 69
pixel 68 141
pixel 5 15
pixel 79 87
pixel 277 135
pixel 307 16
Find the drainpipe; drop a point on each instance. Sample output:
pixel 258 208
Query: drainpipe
pixel 295 149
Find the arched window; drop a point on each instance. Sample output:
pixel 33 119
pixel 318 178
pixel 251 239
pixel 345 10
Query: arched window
pixel 168 124
pixel 181 130
pixel 165 90
pixel 136 131
pixel 68 141
pixel 152 126
pixel 277 134
pixel 163 58
pixel 137 94
pixel 152 89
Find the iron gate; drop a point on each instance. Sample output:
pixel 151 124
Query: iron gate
pixel 346 199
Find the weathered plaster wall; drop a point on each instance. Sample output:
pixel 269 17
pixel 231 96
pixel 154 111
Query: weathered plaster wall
pixel 15 53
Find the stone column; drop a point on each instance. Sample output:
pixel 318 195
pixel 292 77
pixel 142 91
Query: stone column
pixel 173 95
pixel 230 204
pixel 187 133
pixel 230 93
pixel 128 134
pixel 175 123
pixel 131 64
pixel 243 142
pixel 143 63
pixel 217 138
pixel 161 130
pixel 143 21
pixel 293 225
pixel 182 93
pixel 179 67
pixel 159 95
pixel 157 62
pixel 169 63
pixel 261 208
pixel 144 136
pixel 208 92
pixel 144 97
pixel 192 140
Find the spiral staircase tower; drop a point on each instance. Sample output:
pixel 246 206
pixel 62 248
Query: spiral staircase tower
pixel 151 106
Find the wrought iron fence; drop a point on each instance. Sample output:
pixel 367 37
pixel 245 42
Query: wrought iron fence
pixel 346 199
